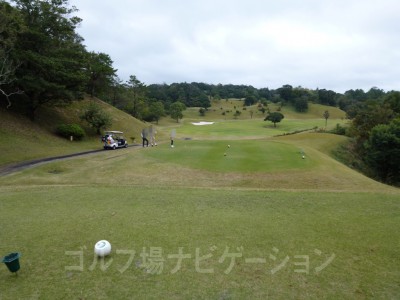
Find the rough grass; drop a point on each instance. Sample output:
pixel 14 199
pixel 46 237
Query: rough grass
pixel 21 139
pixel 229 107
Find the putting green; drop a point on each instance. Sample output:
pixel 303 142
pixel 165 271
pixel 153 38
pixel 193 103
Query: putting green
pixel 241 156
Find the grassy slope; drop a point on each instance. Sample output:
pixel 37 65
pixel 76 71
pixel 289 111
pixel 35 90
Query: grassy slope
pixel 21 139
pixel 214 113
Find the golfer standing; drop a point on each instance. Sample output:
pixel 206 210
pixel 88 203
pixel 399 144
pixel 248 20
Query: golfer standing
pixel 173 133
pixel 145 141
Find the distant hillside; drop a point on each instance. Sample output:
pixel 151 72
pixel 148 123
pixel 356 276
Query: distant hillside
pixel 225 109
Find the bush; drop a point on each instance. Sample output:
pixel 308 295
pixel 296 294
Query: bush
pixel 96 117
pixel 340 130
pixel 68 130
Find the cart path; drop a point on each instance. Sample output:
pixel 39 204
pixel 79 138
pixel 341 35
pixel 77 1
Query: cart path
pixel 15 167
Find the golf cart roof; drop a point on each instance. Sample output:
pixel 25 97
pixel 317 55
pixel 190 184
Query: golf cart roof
pixel 114 132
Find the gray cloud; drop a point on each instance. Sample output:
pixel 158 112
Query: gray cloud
pixel 330 44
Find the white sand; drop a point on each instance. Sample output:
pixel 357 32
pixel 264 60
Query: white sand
pixel 203 123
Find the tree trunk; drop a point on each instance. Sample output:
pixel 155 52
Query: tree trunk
pixel 33 106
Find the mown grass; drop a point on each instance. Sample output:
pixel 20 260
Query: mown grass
pixel 312 227
pixel 248 129
pixel 249 164
pixel 233 156
pixel 352 231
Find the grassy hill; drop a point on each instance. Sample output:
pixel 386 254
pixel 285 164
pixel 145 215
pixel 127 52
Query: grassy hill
pixel 22 139
pixel 215 112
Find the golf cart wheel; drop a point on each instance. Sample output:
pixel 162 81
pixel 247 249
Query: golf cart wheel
pixel 114 147
pixel 126 145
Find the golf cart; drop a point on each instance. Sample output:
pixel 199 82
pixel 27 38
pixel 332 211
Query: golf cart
pixel 113 140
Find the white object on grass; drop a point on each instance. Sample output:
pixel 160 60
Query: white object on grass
pixel 102 248
pixel 202 123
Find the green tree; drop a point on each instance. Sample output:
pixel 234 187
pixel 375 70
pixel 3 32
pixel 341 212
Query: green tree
pixel 96 117
pixel 51 54
pixel 326 117
pixel 250 100
pixel 11 25
pixel 383 151
pixel 100 72
pixel 393 100
pixel 286 92
pixel 367 117
pixel 301 104
pixel 274 117
pixel 176 109
pixel 327 97
pixel 156 110
pixel 137 91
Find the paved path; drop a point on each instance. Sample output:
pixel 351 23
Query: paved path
pixel 8 169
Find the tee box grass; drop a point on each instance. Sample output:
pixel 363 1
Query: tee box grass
pixel 202 243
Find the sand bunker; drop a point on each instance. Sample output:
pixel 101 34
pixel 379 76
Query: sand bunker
pixel 203 123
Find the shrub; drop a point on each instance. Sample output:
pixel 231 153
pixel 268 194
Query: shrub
pixel 96 117
pixel 340 130
pixel 68 130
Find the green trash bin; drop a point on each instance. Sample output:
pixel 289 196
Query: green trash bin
pixel 12 261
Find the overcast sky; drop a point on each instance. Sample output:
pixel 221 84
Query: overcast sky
pixel 331 44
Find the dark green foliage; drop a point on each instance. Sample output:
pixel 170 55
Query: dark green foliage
pixel 100 72
pixel 274 117
pixel 250 100
pixel 383 151
pixel 176 109
pixel 237 114
pixel 68 130
pixel 375 132
pixel 96 117
pixel 326 117
pixel 327 97
pixel 340 130
pixel 286 93
pixel 11 25
pixel 393 100
pixel 156 111
pixel 136 92
pixel 50 53
pixel 301 104
pixel 367 117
